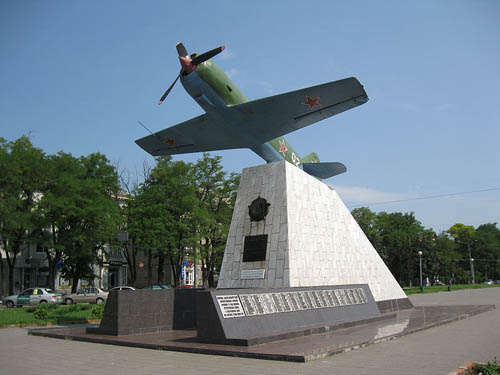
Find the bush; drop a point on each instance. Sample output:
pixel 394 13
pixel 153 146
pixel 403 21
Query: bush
pixel 41 313
pixel 491 368
pixel 97 311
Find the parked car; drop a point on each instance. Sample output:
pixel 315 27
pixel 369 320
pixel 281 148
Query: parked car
pixel 489 282
pixel 33 296
pixel 122 288
pixel 184 287
pixel 89 295
pixel 157 287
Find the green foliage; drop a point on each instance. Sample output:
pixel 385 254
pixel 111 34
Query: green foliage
pixel 22 175
pixel 41 312
pixel 56 314
pixel 444 288
pixel 216 193
pixel 446 256
pixel 491 368
pixel 78 307
pixel 97 311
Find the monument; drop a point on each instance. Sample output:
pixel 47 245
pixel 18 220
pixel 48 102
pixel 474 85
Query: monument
pixel 295 261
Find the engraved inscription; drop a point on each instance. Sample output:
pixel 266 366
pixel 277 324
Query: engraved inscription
pixel 230 306
pixel 280 302
pixel 248 304
pixel 252 274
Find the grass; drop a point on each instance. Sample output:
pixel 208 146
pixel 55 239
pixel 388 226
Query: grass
pixel 57 314
pixel 443 288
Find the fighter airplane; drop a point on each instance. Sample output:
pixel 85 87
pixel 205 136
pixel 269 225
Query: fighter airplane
pixel 231 121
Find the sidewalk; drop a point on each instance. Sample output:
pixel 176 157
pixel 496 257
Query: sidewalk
pixel 434 351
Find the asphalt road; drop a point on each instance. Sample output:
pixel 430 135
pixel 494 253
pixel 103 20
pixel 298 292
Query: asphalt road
pixel 435 351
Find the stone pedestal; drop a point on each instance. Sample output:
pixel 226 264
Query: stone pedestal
pixel 311 239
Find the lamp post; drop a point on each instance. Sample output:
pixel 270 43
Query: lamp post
pixel 420 259
pixel 472 270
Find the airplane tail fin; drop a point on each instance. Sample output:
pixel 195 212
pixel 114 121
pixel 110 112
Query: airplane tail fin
pixel 324 170
pixel 311 158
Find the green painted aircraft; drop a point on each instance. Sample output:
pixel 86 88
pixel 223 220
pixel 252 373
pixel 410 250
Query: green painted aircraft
pixel 231 121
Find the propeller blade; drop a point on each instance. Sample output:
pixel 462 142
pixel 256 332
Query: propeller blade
pixel 207 55
pixel 181 50
pixel 169 89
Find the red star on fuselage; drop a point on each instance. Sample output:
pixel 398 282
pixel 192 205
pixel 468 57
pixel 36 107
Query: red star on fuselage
pixel 311 102
pixel 283 148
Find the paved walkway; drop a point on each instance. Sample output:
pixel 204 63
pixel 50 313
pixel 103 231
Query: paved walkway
pixel 435 351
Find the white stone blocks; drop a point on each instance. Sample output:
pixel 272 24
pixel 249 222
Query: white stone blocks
pixel 313 239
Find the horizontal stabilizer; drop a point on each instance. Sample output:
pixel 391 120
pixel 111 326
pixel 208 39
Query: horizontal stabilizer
pixel 324 170
pixel 311 158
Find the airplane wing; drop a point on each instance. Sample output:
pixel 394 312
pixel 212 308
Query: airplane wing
pixel 256 122
pixel 200 134
pixel 275 116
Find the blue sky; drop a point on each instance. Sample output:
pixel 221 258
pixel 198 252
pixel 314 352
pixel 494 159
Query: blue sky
pixel 77 75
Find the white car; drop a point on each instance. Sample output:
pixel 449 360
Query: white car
pixel 88 295
pixel 122 288
pixel 33 296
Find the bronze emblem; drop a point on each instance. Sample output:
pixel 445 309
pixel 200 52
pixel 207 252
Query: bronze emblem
pixel 258 209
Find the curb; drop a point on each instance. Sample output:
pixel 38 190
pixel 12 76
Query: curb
pixel 461 369
pixel 49 324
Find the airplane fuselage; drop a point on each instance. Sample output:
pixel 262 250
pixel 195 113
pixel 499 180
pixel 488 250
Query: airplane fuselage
pixel 212 89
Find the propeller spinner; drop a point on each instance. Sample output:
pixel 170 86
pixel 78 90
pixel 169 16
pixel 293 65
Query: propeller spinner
pixel 188 64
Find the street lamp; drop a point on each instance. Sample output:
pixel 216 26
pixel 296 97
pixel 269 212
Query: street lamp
pixel 421 283
pixel 472 270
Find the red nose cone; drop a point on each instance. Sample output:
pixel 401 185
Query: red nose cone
pixel 187 65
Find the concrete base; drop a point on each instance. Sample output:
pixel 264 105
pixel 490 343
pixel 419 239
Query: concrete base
pixel 299 349
pixel 130 312
pixel 256 316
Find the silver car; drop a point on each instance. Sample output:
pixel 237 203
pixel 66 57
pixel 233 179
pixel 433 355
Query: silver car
pixel 32 296
pixel 88 295
pixel 123 287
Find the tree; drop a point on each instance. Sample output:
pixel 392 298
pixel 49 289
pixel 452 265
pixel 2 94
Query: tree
pixel 57 208
pixel 78 214
pixel 465 236
pixel 487 251
pixel 367 220
pixel 168 213
pixel 22 176
pixel 216 194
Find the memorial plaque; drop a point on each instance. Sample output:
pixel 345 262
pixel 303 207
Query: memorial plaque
pixel 281 302
pixel 363 295
pixel 254 249
pixel 230 306
pixel 295 300
pixel 305 303
pixel 339 293
pixel 248 304
pixel 324 296
pixel 278 302
pixel 252 274
pixel 287 302
pixel 357 297
pixel 313 295
pixel 268 302
pixel 350 297
pixel 258 304
pixel 321 298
